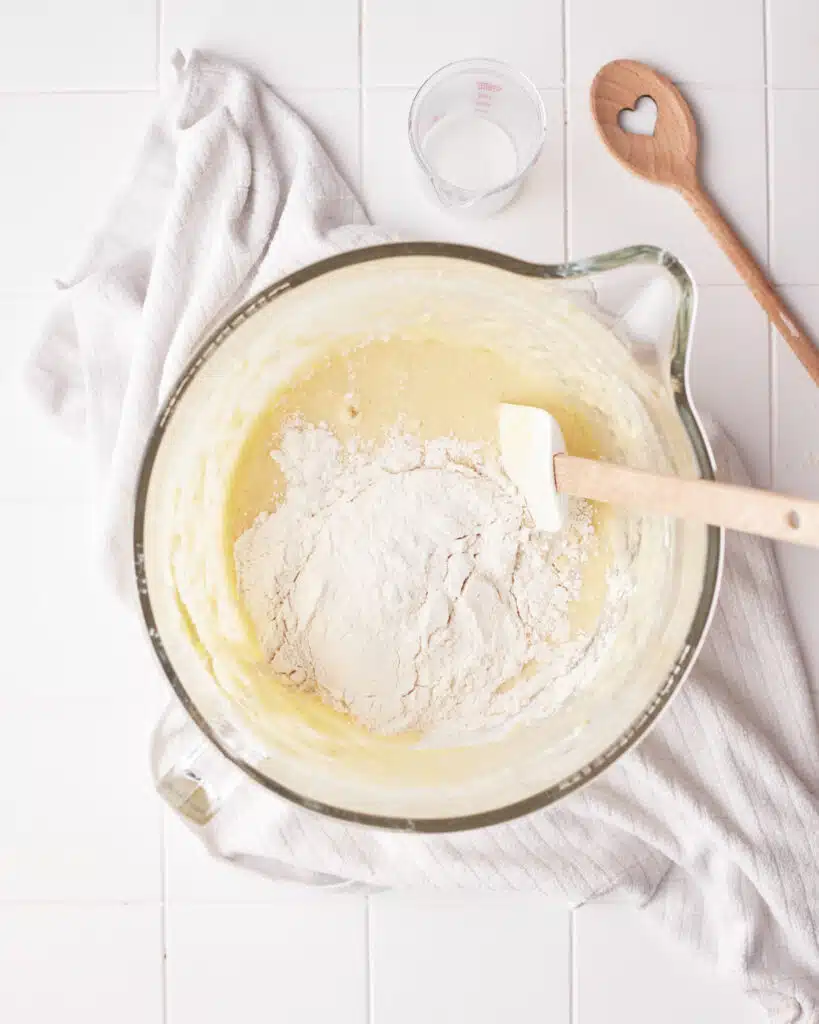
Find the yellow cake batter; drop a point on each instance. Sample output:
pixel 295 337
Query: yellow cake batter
pixel 430 389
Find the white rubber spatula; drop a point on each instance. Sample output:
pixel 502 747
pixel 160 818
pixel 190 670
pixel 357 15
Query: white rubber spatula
pixel 534 457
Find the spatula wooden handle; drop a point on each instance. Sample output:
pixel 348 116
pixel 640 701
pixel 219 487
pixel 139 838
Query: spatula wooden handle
pixel 777 516
pixel 785 322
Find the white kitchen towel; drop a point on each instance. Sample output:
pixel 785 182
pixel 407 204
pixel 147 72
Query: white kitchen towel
pixel 230 191
pixel 712 824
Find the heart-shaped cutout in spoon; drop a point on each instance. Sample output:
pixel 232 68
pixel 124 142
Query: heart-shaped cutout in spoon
pixel 641 119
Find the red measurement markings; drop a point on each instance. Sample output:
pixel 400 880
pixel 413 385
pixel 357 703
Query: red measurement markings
pixel 483 101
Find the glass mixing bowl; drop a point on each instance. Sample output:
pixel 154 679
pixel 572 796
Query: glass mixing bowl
pixel 647 299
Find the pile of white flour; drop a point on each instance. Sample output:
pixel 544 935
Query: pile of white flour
pixel 405 586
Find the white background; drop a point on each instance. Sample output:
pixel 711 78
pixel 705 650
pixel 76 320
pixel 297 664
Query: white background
pixel 108 913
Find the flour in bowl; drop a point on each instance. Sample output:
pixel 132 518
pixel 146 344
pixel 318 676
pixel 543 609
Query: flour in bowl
pixel 404 583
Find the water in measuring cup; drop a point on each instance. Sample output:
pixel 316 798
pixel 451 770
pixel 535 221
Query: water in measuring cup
pixel 470 152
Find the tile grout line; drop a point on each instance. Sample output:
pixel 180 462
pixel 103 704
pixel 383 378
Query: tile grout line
pixel 773 364
pixel 79 901
pixel 572 968
pixel 368 968
pixel 163 916
pixel 565 130
pixel 566 249
pixel 158 42
pixel 368 980
pixel 24 94
pixel 360 182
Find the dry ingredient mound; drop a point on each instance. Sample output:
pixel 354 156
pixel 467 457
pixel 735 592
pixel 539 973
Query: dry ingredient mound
pixel 405 585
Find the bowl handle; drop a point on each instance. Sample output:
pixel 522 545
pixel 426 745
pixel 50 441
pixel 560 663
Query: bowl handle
pixel 197 781
pixel 190 774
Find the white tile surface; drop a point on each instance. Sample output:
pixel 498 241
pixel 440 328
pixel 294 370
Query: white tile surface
pixel 307 43
pixel 715 44
pixel 797 471
pixel 795 199
pixel 102 653
pixel 797 450
pixel 531 227
pixel 731 343
pixel 610 207
pixel 85 44
pixel 626 971
pixel 80 964
pixel 302 960
pixel 80 819
pixel 404 43
pixel 478 958
pixel 794 44
pixel 55 147
pixel 38 461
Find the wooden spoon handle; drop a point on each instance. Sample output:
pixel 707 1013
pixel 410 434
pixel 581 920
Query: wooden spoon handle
pixel 738 508
pixel 780 316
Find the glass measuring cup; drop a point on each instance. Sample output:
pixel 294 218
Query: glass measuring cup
pixel 476 128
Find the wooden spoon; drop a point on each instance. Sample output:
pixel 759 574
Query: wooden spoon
pixel 669 157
